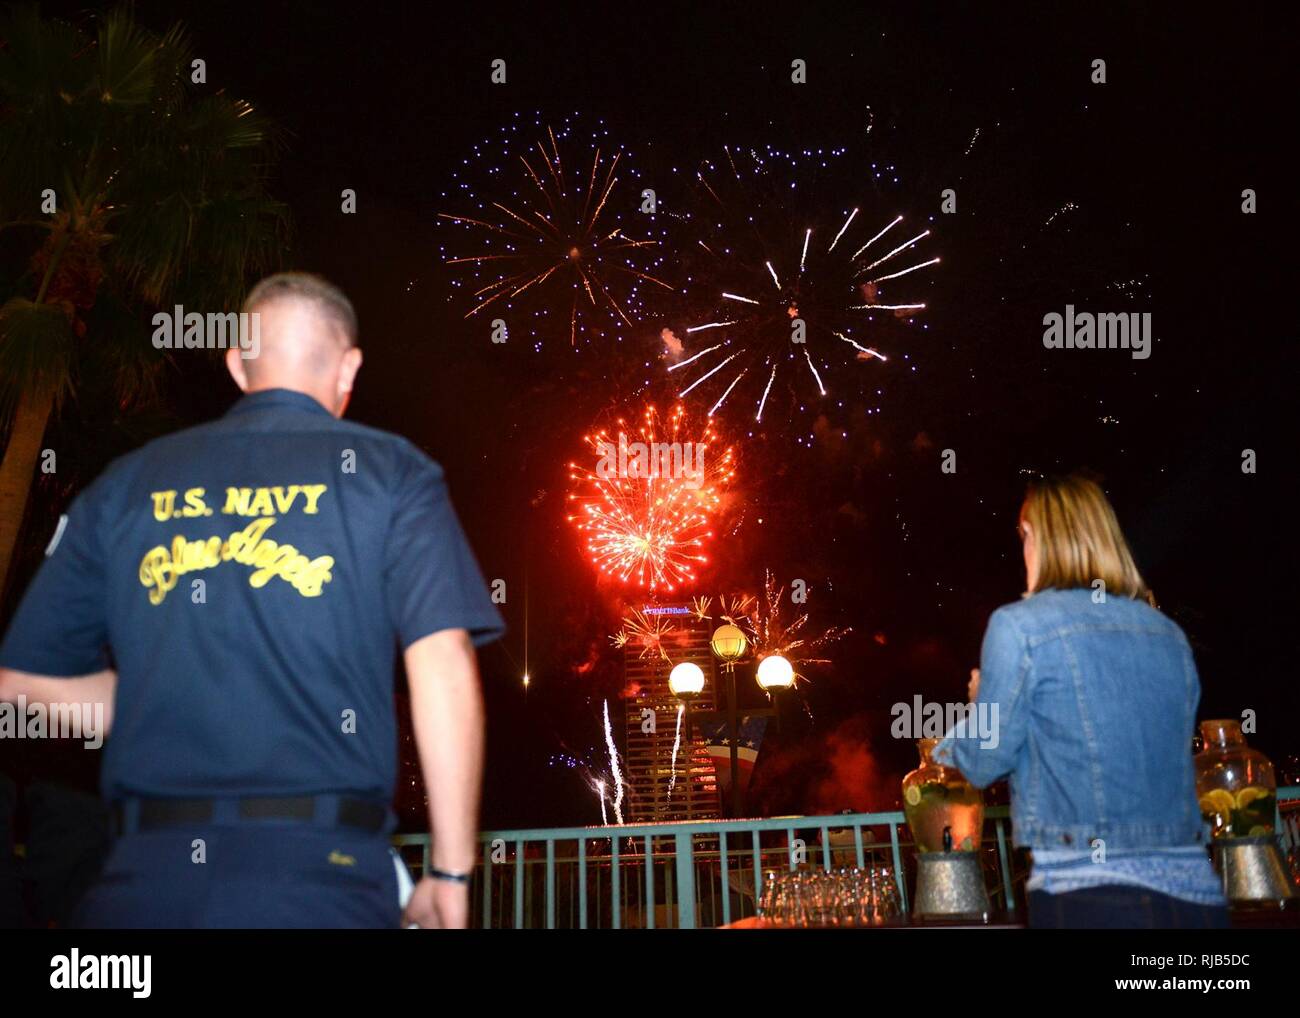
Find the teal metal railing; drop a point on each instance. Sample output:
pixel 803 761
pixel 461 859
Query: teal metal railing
pixel 693 874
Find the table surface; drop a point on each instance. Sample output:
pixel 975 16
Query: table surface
pixel 1239 918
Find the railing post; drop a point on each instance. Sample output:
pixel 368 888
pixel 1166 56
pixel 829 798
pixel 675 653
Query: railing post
pixel 649 882
pixel 616 919
pixel 1006 869
pixel 487 885
pixel 685 881
pixel 726 883
pixel 898 866
pixel 519 885
pixel 582 883
pixel 550 883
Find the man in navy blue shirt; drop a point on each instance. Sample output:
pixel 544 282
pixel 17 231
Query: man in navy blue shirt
pixel 233 595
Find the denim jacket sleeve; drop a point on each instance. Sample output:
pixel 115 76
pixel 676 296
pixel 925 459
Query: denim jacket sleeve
pixel 986 748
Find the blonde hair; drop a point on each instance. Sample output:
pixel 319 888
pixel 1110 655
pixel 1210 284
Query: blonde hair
pixel 1078 538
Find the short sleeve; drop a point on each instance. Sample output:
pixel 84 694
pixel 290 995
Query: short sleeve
pixel 432 580
pixel 61 626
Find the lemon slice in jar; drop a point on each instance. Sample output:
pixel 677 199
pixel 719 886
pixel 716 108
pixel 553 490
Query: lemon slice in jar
pixel 1249 794
pixel 1217 801
pixel 912 795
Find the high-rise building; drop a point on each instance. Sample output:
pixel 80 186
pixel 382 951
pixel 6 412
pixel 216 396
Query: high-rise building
pixel 659 786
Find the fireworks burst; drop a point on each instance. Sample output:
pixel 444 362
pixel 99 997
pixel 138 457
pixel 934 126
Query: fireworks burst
pixel 765 625
pixel 733 610
pixel 567 236
pixel 645 631
pixel 646 508
pixel 772 634
pixel 789 292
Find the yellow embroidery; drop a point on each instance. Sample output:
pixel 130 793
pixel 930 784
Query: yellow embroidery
pixel 164 505
pixel 162 567
pixel 276 501
pixel 339 859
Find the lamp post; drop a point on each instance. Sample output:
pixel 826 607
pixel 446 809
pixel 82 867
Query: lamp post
pixel 729 645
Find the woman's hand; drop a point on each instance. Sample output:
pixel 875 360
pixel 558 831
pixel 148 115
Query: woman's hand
pixel 973 687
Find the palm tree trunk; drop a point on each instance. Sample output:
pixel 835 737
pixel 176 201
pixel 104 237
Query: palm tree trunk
pixel 18 468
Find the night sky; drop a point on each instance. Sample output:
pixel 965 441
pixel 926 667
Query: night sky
pixel 1123 196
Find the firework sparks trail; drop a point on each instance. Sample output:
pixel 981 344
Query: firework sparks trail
pixel 862 250
pixel 736 611
pixel 904 272
pixel 852 215
pixel 785 296
pixel 604 815
pixel 554 242
pixel 723 398
pixel 646 631
pixel 614 769
pixel 1069 206
pixel 647 508
pixel 763 402
pixel 765 625
pixel 771 634
pixel 813 368
pixel 677 745
pixel 865 351
pixel 705 378
pixel 682 364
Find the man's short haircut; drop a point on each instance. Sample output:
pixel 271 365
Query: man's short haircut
pixel 323 295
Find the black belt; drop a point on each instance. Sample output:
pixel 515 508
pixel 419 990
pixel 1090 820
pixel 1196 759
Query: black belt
pixel 153 814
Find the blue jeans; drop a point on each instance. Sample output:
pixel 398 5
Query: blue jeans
pixel 245 876
pixel 1117 907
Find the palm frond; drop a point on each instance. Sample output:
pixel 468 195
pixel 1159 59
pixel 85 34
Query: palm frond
pixel 36 347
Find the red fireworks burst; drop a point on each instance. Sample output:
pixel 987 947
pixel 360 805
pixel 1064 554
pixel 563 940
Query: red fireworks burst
pixel 647 502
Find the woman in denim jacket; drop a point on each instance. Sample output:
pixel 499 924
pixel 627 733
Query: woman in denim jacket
pixel 1095 693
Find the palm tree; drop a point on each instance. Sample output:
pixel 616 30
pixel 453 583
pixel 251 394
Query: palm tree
pixel 159 197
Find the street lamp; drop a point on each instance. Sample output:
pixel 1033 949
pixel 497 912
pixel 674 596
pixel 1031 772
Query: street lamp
pixel 729 644
pixel 686 679
pixel 775 673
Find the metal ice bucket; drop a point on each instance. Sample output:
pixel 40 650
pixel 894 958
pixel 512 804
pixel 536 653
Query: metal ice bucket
pixel 950 885
pixel 1252 871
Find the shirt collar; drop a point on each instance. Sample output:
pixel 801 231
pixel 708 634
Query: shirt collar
pixel 278 399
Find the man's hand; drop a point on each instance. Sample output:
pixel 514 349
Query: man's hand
pixel 438 905
pixel 973 687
